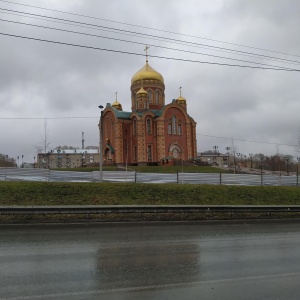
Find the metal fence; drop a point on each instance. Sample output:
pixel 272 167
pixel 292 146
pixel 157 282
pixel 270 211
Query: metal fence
pixel 20 174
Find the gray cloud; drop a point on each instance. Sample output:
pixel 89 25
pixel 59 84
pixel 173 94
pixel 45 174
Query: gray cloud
pixel 229 104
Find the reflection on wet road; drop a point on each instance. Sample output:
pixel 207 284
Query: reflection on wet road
pixel 151 261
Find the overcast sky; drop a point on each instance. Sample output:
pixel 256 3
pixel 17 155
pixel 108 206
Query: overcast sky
pixel 255 108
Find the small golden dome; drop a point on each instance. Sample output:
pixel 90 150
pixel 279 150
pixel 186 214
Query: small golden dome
pixel 181 100
pixel 141 91
pixel 147 73
pixel 117 105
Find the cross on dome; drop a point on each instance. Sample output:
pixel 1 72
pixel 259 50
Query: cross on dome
pixel 146 49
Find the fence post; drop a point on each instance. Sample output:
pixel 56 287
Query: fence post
pixel 220 178
pixel 177 178
pixel 135 177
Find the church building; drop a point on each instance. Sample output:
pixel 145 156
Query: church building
pixel 152 132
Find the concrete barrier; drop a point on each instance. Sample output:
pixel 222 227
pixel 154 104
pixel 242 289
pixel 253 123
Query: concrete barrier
pixel 127 209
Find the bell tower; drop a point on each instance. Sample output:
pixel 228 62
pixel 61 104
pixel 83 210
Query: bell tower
pixel 150 81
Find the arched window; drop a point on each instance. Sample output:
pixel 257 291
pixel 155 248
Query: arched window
pixel 148 126
pixel 174 125
pixel 149 96
pixel 170 128
pixel 156 96
pixel 179 129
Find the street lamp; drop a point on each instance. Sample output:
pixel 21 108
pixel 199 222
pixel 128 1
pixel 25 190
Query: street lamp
pixel 22 161
pixel 215 148
pixel 287 158
pixel 100 144
pixel 234 161
pixel 227 149
pixel 298 159
pixel 261 156
pixel 58 158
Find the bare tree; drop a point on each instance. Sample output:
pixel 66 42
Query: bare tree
pixel 43 146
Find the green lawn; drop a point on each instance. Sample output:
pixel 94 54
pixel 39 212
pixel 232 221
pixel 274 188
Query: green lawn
pixel 155 169
pixel 52 193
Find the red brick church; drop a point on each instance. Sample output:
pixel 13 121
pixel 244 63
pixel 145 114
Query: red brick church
pixel 152 132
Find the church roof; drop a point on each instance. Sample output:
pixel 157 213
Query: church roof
pixel 121 114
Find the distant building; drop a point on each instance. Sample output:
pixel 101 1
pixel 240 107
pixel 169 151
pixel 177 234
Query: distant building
pixel 55 159
pixel 152 132
pixel 214 158
pixel 6 161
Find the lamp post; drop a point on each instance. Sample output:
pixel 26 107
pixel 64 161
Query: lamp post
pixel 298 159
pixel 215 148
pixel 287 158
pixel 22 160
pixel 234 161
pixel 261 156
pixel 58 158
pixel 227 149
pixel 100 144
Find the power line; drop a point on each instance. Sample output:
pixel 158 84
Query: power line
pixel 160 39
pixel 244 140
pixel 134 42
pixel 200 134
pixel 155 56
pixel 149 35
pixel 135 35
pixel 43 118
pixel 151 28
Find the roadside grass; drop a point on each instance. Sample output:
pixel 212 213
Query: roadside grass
pixel 53 193
pixel 175 169
pixel 153 169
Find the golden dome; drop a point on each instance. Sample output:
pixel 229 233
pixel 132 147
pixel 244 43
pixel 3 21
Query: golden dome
pixel 142 91
pixel 181 100
pixel 147 73
pixel 117 105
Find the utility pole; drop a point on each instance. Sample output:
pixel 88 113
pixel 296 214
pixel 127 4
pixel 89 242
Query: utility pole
pixel 100 143
pixel 82 140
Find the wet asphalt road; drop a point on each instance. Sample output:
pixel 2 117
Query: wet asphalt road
pixel 151 261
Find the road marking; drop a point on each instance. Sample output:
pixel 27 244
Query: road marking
pixel 150 287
